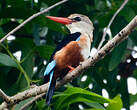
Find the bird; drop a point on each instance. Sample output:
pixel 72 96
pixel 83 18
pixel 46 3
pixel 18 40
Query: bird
pixel 73 49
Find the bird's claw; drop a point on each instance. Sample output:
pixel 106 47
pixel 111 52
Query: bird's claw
pixel 71 68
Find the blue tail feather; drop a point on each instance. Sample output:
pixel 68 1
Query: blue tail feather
pixel 49 72
pixel 51 88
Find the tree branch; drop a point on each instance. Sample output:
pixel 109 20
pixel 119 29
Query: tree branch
pixel 4 96
pixel 110 22
pixel 4 106
pixel 30 18
pixel 121 36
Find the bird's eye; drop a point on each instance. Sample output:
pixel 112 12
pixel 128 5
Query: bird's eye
pixel 77 19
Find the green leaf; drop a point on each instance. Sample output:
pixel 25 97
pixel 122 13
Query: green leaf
pixel 16 12
pixel 7 61
pixel 74 94
pixel 45 51
pixel 41 104
pixel 130 15
pixel 1 32
pixel 133 37
pixel 115 106
pixel 22 103
pixel 133 99
pixel 93 109
pixel 95 105
pixel 117 55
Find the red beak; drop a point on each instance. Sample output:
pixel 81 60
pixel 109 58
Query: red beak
pixel 61 20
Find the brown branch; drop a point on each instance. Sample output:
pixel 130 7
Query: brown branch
pixel 121 36
pixel 110 22
pixel 30 18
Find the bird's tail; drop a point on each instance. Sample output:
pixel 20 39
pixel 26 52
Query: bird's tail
pixel 51 88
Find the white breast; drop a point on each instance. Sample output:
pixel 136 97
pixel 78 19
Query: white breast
pixel 85 53
pixel 85 47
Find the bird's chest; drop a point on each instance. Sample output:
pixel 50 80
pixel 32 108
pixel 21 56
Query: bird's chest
pixel 85 44
pixel 85 52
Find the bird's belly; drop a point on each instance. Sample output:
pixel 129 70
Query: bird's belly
pixel 85 52
pixel 69 55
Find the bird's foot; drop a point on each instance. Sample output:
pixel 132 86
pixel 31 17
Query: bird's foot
pixel 71 68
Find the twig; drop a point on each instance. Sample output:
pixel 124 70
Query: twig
pixel 121 36
pixel 30 18
pixel 4 96
pixel 132 50
pixel 33 100
pixel 110 22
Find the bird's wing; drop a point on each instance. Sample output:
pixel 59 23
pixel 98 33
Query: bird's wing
pixel 52 63
pixel 65 41
pixel 50 67
pixel 49 71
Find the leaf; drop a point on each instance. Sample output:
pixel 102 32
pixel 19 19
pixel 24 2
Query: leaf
pixel 41 104
pixel 16 12
pixel 117 55
pixel 133 99
pixel 22 103
pixel 74 94
pixel 115 106
pixel 93 109
pixel 45 51
pixel 97 106
pixel 130 15
pixel 133 37
pixel 1 32
pixel 7 61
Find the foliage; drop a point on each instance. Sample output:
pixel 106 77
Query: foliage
pixel 37 39
pixel 67 98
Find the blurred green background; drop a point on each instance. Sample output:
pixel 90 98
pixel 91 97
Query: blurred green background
pixel 23 56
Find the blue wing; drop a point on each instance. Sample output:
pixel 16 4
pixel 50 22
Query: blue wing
pixel 78 38
pixel 50 67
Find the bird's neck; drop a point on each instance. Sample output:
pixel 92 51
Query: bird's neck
pixel 86 33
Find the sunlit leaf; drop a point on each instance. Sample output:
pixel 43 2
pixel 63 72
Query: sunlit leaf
pixel 115 106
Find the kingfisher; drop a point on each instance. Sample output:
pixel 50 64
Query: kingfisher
pixel 73 49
